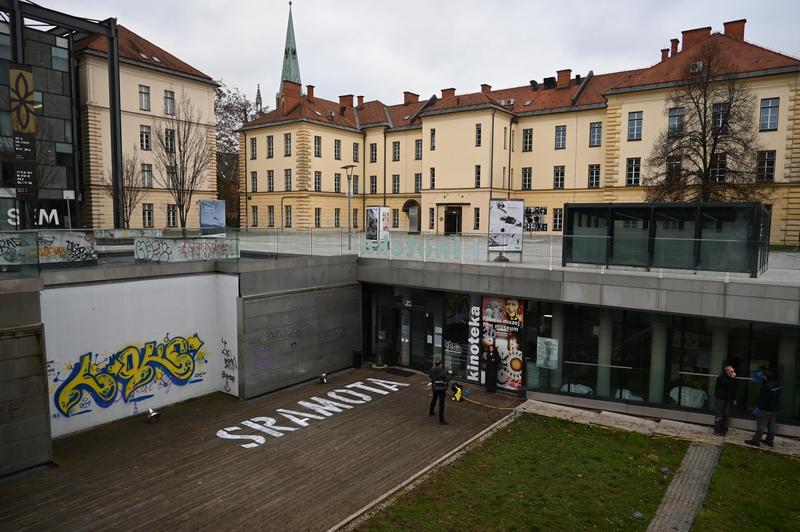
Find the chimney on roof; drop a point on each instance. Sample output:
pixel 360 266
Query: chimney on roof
pixel 360 102
pixel 290 92
pixel 448 93
pixel 735 29
pixel 673 47
pixel 664 54
pixel 346 100
pixel 564 77
pixel 310 92
pixel 410 97
pixel 534 85
pixel 486 88
pixel 692 37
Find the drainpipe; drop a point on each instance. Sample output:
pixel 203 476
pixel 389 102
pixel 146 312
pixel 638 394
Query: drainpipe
pixel 384 167
pixel 246 205
pixel 510 143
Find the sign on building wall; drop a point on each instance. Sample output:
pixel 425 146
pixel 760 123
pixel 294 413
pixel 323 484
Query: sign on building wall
pixel 535 219
pixel 502 326
pixel 116 349
pixel 212 216
pixel 23 128
pixel 505 224
pixel 547 353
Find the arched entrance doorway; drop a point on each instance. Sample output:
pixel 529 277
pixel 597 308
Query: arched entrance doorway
pixel 413 211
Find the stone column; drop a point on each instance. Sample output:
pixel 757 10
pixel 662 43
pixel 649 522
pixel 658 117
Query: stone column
pixel 604 354
pixel 658 360
pixel 787 364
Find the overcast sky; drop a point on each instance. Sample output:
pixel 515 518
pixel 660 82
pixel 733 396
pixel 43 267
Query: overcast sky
pixel 379 49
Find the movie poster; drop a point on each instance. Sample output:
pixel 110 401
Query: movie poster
pixel 505 224
pixel 502 330
pixel 372 223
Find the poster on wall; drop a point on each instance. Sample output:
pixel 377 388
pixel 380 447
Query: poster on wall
pixel 212 217
pixel 502 326
pixel 505 224
pixel 547 353
pixel 535 219
pixel 462 336
pixel 386 224
pixel 372 224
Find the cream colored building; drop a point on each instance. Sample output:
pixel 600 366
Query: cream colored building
pixel 152 83
pixel 564 140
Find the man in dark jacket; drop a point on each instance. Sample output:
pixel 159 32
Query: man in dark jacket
pixel 724 398
pixel 769 403
pixel 492 365
pixel 439 380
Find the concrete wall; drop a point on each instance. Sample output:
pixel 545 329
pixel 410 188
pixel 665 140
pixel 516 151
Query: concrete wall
pixel 298 319
pixel 24 424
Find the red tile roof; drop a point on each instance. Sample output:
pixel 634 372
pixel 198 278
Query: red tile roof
pixel 316 110
pixel 132 46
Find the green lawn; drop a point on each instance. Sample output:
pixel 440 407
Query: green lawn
pixel 752 490
pixel 542 474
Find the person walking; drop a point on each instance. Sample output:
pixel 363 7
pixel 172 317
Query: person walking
pixel 724 398
pixel 439 378
pixel 492 364
pixel 769 403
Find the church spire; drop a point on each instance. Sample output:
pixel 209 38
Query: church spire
pixel 259 103
pixel 291 68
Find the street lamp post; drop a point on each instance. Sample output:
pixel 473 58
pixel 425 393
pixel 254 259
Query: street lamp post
pixel 349 169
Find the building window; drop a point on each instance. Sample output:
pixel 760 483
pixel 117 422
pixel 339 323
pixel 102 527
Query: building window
pixel 527 139
pixel 675 123
pixel 355 184
pixel 719 118
pixel 355 152
pixel 144 97
pixel 635 125
pixel 674 165
pixel 766 166
pixel 271 215
pixel 147 214
pixel 172 215
pixel 337 182
pixel 558 177
pixel 317 216
pixel 558 219
pixel 373 152
pixel 396 150
pixel 172 177
pixel 417 182
pixel 594 176
pixel 287 144
pixel 287 216
pixel 477 176
pixel 477 135
pixel 337 217
pixel 317 146
pixel 169 103
pixel 270 180
pixel 253 181
pixel 287 179
pixel 317 181
pixel 373 184
pixel 632 171
pixel 433 178
pixel 561 137
pixel 169 140
pixel 431 218
pixel 147 175
pixel 476 218
pixel 254 215
pixel 337 149
pixel 395 218
pixel 144 138
pixel 769 114
pixel 505 138
pixel 595 134
pixel 527 173
pixel 270 147
pixel 719 164
pixel 355 218
pixel 418 150
pixel 396 184
pixel 253 147
pixel 433 139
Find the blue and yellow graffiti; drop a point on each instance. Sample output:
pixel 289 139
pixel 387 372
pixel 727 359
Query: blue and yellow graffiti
pixel 128 370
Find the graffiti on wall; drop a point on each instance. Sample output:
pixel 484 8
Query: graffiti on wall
pixel 49 247
pixel 184 250
pixel 229 370
pixel 131 374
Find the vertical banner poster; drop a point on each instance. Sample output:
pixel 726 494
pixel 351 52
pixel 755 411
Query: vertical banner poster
pixel 547 353
pixel 385 225
pixel 372 223
pixel 212 217
pixel 462 336
pixel 502 329
pixel 23 128
pixel 505 224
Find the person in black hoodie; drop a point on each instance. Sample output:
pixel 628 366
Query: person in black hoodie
pixel 724 398
pixel 769 403
pixel 439 379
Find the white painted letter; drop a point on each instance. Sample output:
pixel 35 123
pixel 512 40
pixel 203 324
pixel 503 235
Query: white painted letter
pixel 301 418
pixel 325 407
pixel 363 386
pixel 259 440
pixel 268 427
pixel 335 395
pixel 12 216
pixel 44 217
pixel 391 385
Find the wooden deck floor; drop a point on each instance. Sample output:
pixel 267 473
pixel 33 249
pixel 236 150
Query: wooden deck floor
pixel 178 474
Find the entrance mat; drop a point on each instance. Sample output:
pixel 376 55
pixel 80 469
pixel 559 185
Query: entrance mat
pixel 400 372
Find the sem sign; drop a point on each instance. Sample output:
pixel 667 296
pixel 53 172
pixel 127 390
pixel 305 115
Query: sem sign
pixel 42 217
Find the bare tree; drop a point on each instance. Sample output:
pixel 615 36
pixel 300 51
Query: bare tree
pixel 133 187
pixel 232 110
pixel 183 152
pixel 709 151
